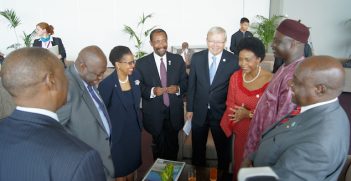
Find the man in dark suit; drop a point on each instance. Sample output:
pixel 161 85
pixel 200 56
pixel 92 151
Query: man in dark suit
pixel 240 34
pixel 314 144
pixel 34 146
pixel 84 115
pixel 163 83
pixel 207 92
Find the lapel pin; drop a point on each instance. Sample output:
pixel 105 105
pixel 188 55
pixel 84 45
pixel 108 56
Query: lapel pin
pixel 137 82
pixel 115 85
pixel 224 60
pixel 169 62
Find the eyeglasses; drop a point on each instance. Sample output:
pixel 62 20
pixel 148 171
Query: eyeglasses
pixel 216 42
pixel 129 63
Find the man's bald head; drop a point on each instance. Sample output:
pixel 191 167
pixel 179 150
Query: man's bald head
pixel 33 76
pixel 24 68
pixel 91 64
pixel 322 78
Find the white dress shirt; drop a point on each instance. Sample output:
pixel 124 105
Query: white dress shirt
pixel 39 111
pixel 305 108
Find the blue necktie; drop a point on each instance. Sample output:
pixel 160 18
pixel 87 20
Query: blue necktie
pixel 101 105
pixel 213 69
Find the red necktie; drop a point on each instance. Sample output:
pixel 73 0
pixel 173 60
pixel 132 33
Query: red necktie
pixel 293 113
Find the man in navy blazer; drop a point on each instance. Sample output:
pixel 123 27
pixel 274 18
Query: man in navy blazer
pixel 209 76
pixel 314 144
pixel 34 145
pixel 163 83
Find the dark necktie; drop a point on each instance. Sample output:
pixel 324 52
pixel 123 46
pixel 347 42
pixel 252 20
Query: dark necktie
pixel 101 105
pixel 163 73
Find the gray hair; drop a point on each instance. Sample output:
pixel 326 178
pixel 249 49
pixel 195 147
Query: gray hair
pixel 217 30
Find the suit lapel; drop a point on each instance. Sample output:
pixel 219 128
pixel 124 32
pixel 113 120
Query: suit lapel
pixel 205 67
pixel 118 89
pixel 170 69
pixel 86 96
pixel 220 67
pixel 136 94
pixel 154 71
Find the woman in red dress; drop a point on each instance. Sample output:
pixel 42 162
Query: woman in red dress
pixel 245 88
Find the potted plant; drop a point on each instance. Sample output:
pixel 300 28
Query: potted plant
pixel 265 28
pixel 14 22
pixel 139 35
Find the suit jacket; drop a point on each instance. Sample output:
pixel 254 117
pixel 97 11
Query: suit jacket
pixel 153 108
pixel 81 117
pixel 310 146
pixel 116 106
pixel 56 41
pixel 36 147
pixel 201 93
pixel 235 39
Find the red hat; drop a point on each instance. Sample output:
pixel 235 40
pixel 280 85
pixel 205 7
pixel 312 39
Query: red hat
pixel 294 29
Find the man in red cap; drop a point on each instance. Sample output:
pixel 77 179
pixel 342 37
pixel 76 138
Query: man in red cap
pixel 288 44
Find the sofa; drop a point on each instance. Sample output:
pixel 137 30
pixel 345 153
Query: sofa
pixel 185 149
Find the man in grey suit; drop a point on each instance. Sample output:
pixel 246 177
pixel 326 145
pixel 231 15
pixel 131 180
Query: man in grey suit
pixel 83 115
pixel 314 144
pixel 34 145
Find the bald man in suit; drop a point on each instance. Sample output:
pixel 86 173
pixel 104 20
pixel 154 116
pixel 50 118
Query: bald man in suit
pixel 83 116
pixel 314 144
pixel 34 145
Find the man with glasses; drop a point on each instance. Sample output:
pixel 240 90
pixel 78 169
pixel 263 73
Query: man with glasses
pixel 210 71
pixel 163 83
pixel 84 115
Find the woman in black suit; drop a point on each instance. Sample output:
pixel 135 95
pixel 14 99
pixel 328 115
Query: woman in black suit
pixel 46 40
pixel 121 94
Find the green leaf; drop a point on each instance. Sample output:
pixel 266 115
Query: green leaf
pixel 139 35
pixel 147 32
pixel 265 28
pixel 11 16
pixel 28 38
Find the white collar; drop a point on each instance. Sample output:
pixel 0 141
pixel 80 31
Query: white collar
pixel 218 57
pixel 39 111
pixel 305 108
pixel 157 57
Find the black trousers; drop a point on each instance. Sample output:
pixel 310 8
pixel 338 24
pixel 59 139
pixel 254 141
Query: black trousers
pixel 199 140
pixel 165 145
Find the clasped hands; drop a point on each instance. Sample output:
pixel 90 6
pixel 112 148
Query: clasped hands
pixel 173 89
pixel 238 113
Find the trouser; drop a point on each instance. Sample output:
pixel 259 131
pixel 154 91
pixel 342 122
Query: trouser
pixel 199 140
pixel 165 145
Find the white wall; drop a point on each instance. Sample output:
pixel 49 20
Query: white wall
pixel 326 18
pixel 84 22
